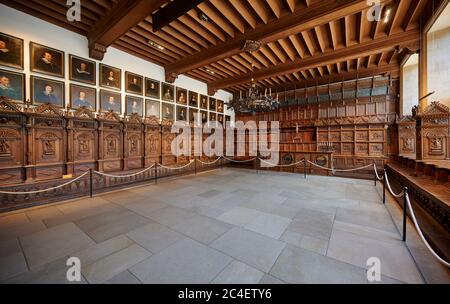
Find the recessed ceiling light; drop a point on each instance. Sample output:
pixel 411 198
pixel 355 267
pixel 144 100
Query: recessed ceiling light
pixel 387 15
pixel 203 17
pixel 210 71
pixel 156 45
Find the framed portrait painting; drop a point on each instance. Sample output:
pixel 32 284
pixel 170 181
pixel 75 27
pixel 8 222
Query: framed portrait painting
pixel 193 99
pixel 204 102
pixel 220 118
pixel 212 116
pixel 168 92
pixel 110 101
pixel 134 83
pixel 212 104
pixel 110 77
pixel 168 111
pixel 152 88
pixel 152 108
pixel 182 113
pixel 220 106
pixel 46 60
pixel 204 116
pixel 11 51
pixel 134 105
pixel 12 85
pixel 181 96
pixel 82 70
pixel 192 114
pixel 45 91
pixel 81 96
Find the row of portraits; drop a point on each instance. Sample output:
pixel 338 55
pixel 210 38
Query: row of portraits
pixel 44 91
pixel 49 61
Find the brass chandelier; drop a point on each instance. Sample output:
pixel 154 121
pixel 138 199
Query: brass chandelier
pixel 253 101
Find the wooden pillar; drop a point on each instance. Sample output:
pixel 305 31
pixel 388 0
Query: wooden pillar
pixel 423 73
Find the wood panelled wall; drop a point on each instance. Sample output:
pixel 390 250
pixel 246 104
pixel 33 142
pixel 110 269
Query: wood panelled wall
pixel 45 143
pixel 356 121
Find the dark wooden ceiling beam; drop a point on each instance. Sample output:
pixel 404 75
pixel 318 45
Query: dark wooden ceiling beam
pixel 124 16
pixel 317 13
pixel 172 11
pixel 359 50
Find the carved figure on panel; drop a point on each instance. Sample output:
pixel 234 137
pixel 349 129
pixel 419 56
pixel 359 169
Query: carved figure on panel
pixel 152 140
pixel 111 145
pixel 407 144
pixel 436 145
pixel 49 146
pixel 83 146
pixel 134 144
pixel 5 149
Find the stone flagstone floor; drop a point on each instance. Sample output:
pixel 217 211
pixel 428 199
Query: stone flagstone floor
pixel 222 226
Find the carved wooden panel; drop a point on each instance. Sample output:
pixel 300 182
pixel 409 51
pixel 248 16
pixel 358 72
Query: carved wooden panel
pixel 407 136
pixel 134 143
pixel 83 141
pixel 434 131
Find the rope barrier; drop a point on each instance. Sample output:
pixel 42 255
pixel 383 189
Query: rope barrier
pixel 376 173
pixel 45 190
pixel 390 189
pixel 209 163
pixel 414 219
pixel 123 176
pixel 177 168
pixel 339 170
pixel 239 161
pixel 419 231
pixel 290 165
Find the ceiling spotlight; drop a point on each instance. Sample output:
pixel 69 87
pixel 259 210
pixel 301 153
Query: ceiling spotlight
pixel 156 45
pixel 210 71
pixel 203 17
pixel 387 15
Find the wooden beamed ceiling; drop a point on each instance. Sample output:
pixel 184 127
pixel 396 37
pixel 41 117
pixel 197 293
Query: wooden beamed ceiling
pixel 303 41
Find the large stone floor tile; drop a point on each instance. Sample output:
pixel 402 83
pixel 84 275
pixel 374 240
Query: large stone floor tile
pixel 21 230
pixel 12 261
pixel 123 197
pixel 171 216
pixel 270 280
pixel 48 245
pixel 107 225
pixel 300 266
pixel 396 261
pixel 207 211
pixel 96 252
pixel 125 277
pixel 79 213
pixel 111 265
pixel 186 261
pixel 145 208
pixel 366 218
pixel 312 223
pixel 239 216
pixel 14 219
pixel 52 273
pixel 305 241
pixel 202 229
pixel 81 204
pixel 39 214
pixel 269 225
pixel 238 273
pixel 264 202
pixel 154 237
pixel 249 247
